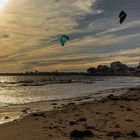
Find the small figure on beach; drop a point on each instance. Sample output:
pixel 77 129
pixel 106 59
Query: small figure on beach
pixel 122 16
pixel 63 39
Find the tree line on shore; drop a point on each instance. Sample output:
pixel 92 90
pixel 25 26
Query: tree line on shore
pixel 115 69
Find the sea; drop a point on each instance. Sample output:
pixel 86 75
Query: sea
pixel 20 95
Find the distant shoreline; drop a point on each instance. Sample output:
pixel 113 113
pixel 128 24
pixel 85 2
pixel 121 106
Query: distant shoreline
pixel 64 74
pixel 115 69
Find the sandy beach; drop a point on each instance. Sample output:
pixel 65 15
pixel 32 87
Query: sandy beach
pixel 111 118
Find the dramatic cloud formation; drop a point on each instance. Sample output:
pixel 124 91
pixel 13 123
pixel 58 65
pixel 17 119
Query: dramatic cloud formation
pixel 30 32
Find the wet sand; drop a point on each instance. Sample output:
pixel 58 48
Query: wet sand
pixel 111 118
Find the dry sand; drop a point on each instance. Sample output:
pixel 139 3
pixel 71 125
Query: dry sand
pixel 112 118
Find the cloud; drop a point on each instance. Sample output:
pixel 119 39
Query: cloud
pixel 4 35
pixel 30 32
pixel 71 62
pixel 132 24
pixel 41 19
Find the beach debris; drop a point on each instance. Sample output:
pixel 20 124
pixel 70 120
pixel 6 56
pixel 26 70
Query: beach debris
pixel 25 110
pixel 7 117
pixel 38 114
pixel 115 134
pixel 122 16
pixel 129 109
pixel 117 126
pixel 72 123
pixel 121 106
pixel 82 120
pixel 63 39
pixel 129 120
pixel 133 134
pixel 112 97
pixel 76 134
pixel 98 112
pixel 55 127
pixel 110 112
pixel 54 104
pixel 134 89
pixel 89 127
pixel 71 104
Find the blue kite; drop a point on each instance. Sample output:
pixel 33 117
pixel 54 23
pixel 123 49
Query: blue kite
pixel 63 39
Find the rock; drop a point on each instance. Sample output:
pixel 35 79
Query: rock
pixel 129 120
pixel 7 117
pixel 133 134
pixel 115 134
pixel 72 123
pixel 98 112
pixel 54 104
pixel 112 97
pixel 71 104
pixel 89 127
pixel 117 126
pixel 110 112
pixel 133 89
pixel 129 109
pixel 55 127
pixel 82 120
pixel 38 114
pixel 24 111
pixel 121 106
pixel 76 134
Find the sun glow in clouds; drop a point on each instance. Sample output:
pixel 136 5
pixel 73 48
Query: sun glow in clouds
pixel 2 4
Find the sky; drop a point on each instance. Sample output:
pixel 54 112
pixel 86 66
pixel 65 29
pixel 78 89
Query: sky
pixel 30 31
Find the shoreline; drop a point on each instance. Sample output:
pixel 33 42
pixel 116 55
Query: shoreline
pixel 112 117
pixel 20 111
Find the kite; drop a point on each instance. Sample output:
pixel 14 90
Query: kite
pixel 63 39
pixel 122 16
